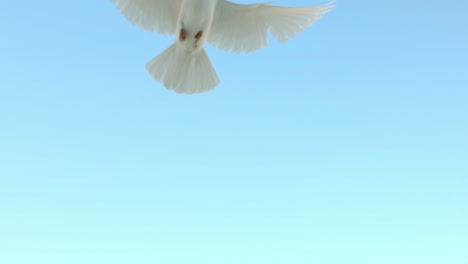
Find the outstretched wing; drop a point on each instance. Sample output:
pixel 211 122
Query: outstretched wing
pixel 152 15
pixel 244 28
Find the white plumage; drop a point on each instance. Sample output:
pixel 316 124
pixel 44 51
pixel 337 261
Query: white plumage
pixel 185 67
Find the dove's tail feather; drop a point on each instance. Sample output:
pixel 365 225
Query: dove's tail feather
pixel 183 71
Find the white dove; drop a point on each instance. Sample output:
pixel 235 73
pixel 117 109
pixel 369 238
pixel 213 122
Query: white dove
pixel 185 67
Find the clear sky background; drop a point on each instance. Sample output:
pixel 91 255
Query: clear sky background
pixel 346 145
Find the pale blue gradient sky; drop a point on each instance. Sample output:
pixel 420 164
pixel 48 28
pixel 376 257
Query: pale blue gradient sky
pixel 346 145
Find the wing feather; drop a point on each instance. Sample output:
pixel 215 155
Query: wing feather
pixel 153 15
pixel 244 28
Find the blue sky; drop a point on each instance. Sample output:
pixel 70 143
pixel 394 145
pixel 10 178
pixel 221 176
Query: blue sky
pixel 348 144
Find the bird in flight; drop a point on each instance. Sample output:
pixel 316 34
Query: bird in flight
pixel 184 67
